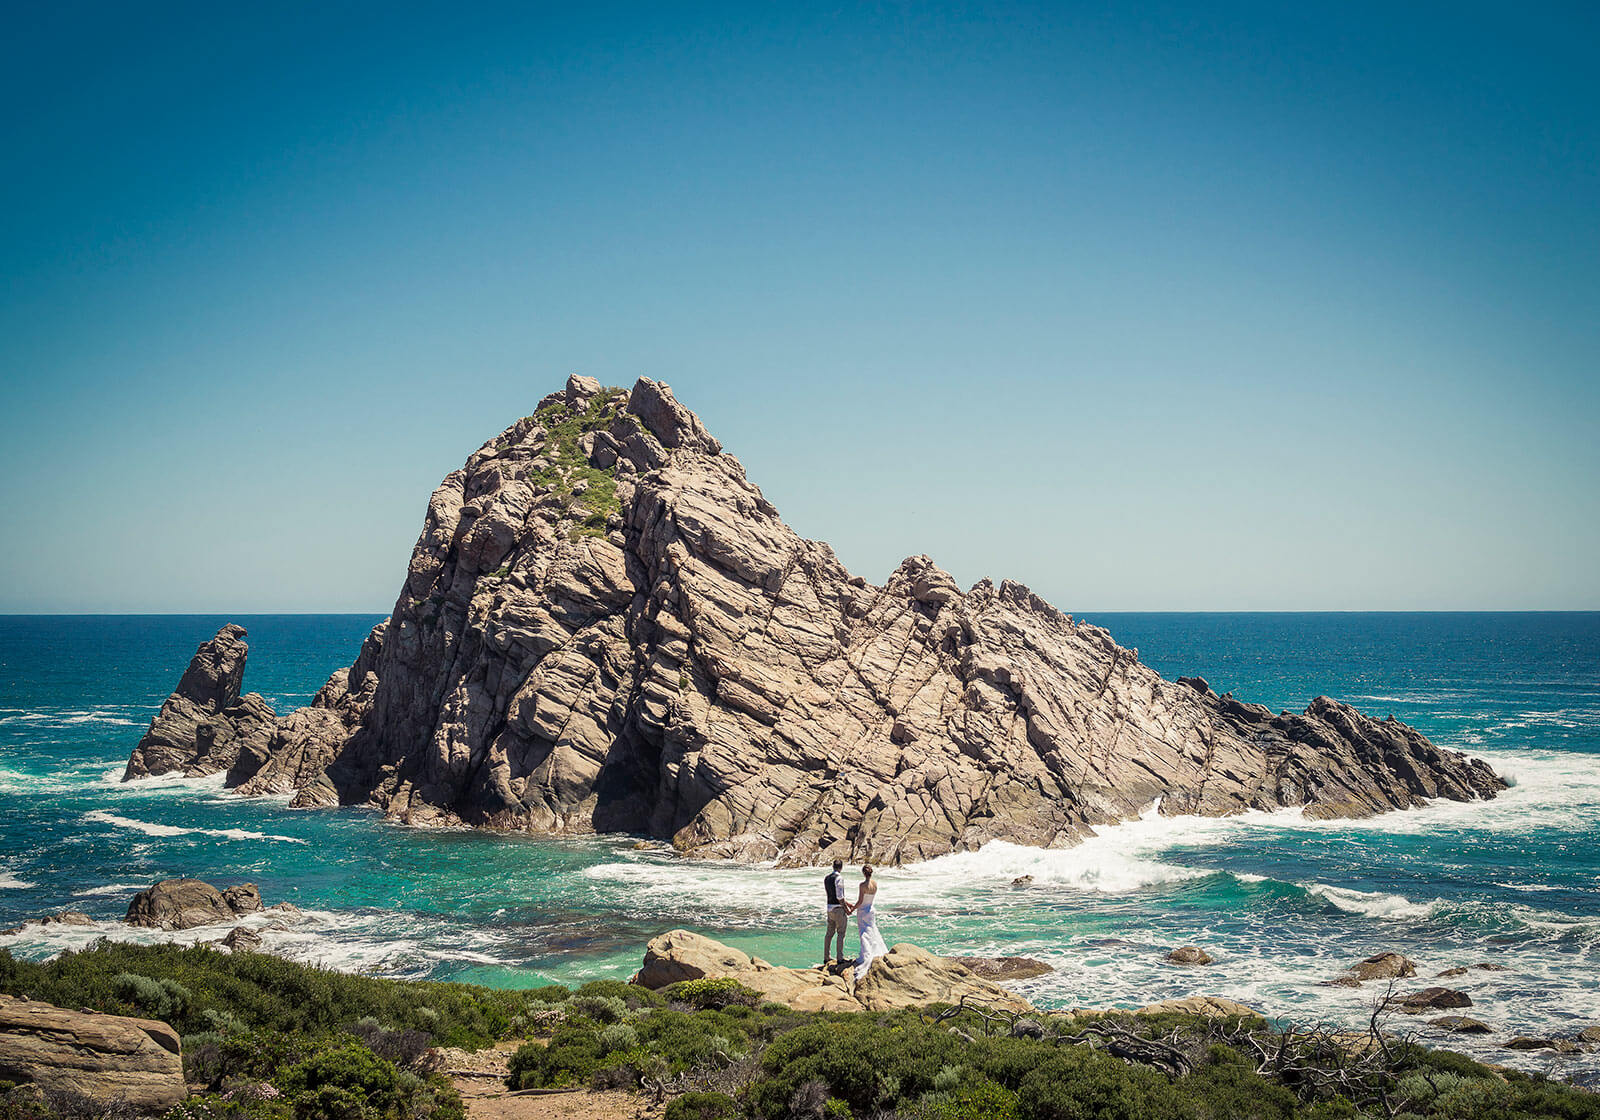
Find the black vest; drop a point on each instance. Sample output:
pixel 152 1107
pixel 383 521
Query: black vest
pixel 831 885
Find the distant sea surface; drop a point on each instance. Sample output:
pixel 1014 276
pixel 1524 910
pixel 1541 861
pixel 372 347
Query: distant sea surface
pixel 1281 902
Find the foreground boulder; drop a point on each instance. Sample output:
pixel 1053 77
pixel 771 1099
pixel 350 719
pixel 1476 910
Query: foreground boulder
pixel 906 976
pixel 202 726
pixel 187 903
pixel 107 1058
pixel 604 626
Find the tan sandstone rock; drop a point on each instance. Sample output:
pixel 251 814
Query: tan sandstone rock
pixel 605 626
pixel 904 977
pixel 107 1058
pixel 1214 1007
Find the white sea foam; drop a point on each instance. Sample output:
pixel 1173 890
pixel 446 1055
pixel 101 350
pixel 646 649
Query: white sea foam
pixel 149 828
pixel 109 890
pixel 10 882
pixel 1373 904
pixel 161 783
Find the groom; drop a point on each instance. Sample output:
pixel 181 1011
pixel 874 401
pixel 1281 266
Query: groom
pixel 838 912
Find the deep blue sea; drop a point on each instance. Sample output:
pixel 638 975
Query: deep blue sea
pixel 1280 901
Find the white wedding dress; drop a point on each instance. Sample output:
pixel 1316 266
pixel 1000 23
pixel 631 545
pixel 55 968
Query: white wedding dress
pixel 872 946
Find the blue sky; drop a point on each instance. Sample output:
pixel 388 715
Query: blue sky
pixel 1224 306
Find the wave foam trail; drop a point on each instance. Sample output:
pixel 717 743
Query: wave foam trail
pixel 10 882
pixel 1373 904
pixel 149 828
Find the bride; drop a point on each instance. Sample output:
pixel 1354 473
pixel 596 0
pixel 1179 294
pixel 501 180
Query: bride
pixel 872 946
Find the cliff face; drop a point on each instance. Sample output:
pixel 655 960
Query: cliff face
pixel 605 626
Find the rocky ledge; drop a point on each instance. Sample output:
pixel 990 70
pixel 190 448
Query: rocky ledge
pixel 605 627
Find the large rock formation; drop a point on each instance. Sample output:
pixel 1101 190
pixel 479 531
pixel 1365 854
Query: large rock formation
pixel 605 626
pixel 111 1060
pixel 906 976
pixel 202 725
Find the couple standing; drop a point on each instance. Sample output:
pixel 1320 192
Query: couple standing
pixel 839 912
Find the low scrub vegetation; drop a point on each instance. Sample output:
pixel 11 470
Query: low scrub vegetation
pixel 273 1040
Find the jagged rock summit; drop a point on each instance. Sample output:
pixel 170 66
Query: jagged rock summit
pixel 605 626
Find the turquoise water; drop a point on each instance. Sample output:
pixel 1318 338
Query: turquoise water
pixel 1279 901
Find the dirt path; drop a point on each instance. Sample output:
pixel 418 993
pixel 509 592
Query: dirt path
pixel 480 1079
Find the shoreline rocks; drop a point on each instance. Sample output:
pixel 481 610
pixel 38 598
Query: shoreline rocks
pixel 907 976
pixel 174 904
pixel 1004 968
pixel 605 627
pixel 106 1058
pixel 1189 955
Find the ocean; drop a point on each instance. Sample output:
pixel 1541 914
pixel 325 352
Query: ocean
pixel 1281 902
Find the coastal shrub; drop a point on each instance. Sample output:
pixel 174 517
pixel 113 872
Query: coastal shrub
pixel 618 1036
pixel 867 1064
pixel 702 1106
pixel 240 1105
pixel 688 1039
pixel 550 993
pixel 633 995
pixel 602 1009
pixel 261 992
pixel 402 1047
pixel 1226 1084
pixel 969 1099
pixel 347 1081
pixel 713 992
pixel 1075 1083
pixel 166 999
pixel 627 1069
pixel 570 1058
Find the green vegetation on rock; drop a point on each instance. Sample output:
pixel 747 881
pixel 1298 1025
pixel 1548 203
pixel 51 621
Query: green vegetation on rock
pixel 569 472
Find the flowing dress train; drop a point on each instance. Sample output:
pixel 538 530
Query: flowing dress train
pixel 872 946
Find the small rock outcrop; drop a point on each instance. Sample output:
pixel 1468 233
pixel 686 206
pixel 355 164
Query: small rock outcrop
pixel 1004 968
pixel 1379 966
pixel 1460 1024
pixel 1434 999
pixel 1191 955
pixel 60 918
pixel 202 726
pixel 605 626
pixel 108 1059
pixel 242 940
pixel 187 903
pixel 906 976
pixel 1212 1007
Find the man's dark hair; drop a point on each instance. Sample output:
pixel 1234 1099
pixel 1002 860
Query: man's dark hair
pixel 838 865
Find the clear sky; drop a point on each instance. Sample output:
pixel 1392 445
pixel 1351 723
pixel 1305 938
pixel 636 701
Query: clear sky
pixel 1151 306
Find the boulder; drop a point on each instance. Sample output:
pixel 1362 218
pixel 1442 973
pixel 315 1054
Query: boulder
pixel 904 977
pixel 242 940
pixel 1590 1036
pixel 574 649
pixel 107 1058
pixel 1559 1045
pixel 1434 999
pixel 1460 1024
pixel 908 976
pixel 1189 955
pixel 1383 966
pixel 1212 1007
pixel 1004 968
pixel 187 903
pixel 1022 881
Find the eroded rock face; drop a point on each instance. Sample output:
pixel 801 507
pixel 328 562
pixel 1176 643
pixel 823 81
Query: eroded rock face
pixel 106 1058
pixel 202 726
pixel 605 626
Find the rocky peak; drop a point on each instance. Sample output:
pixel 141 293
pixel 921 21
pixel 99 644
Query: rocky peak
pixel 605 626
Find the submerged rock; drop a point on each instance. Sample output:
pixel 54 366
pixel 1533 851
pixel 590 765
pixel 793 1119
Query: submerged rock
pixel 59 918
pixel 605 626
pixel 1379 966
pixel 1004 968
pixel 1460 1024
pixel 108 1059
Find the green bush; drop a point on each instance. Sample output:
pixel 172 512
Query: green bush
pixel 618 1036
pixel 688 1039
pixel 1074 1083
pixel 602 1009
pixel 868 1065
pixel 971 1099
pixel 257 991
pixel 702 1106
pixel 571 1058
pixel 713 992
pixel 633 995
pixel 346 1082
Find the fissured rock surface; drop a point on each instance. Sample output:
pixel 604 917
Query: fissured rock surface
pixel 605 626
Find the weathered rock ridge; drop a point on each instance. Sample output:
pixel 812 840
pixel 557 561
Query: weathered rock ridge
pixel 605 627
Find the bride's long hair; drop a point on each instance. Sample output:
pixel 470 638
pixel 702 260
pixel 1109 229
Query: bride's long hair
pixel 866 870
